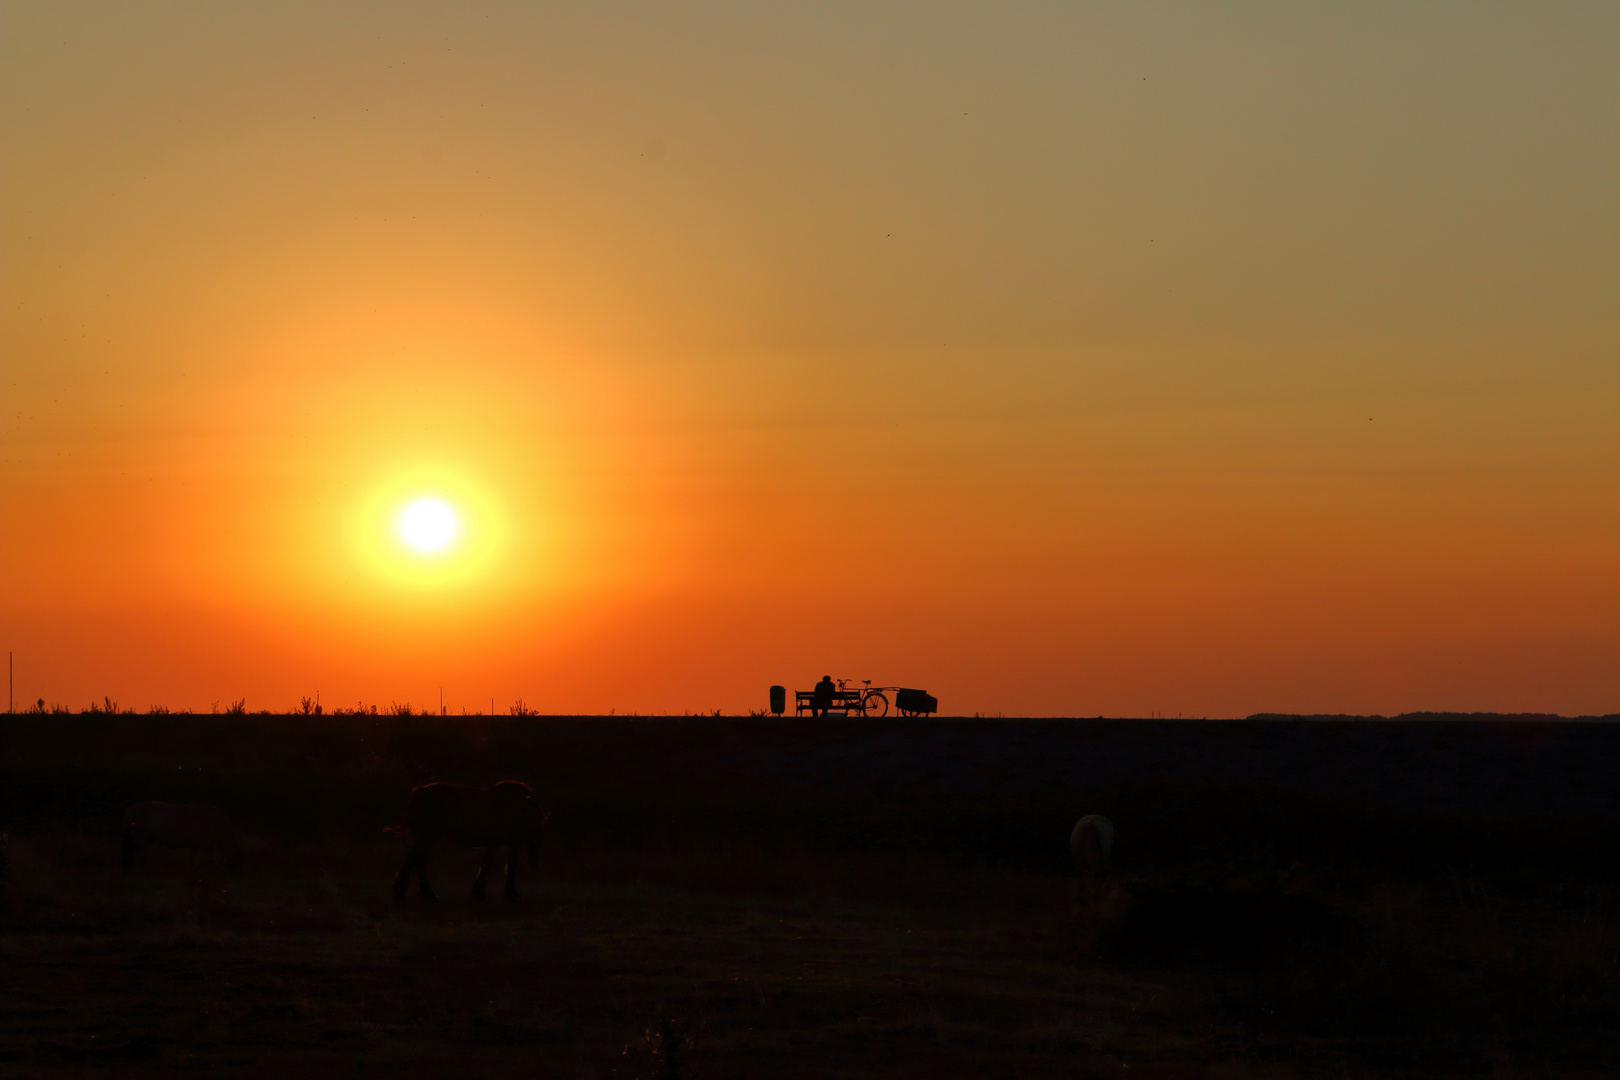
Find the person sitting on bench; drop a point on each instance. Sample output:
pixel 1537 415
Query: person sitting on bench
pixel 821 697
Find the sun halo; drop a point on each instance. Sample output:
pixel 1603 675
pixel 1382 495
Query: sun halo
pixel 432 530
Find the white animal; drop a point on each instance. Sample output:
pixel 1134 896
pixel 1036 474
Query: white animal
pixel 1091 843
pixel 194 826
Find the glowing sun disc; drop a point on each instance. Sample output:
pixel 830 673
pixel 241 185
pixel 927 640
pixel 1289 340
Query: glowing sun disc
pixel 428 525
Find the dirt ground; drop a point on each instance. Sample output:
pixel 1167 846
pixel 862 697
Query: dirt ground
pixel 718 898
pixel 728 965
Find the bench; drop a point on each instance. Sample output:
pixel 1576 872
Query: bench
pixel 843 701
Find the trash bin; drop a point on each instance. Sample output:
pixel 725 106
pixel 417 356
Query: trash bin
pixel 778 700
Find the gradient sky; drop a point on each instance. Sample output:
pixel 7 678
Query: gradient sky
pixel 1063 359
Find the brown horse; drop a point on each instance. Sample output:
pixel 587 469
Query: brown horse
pixel 193 826
pixel 505 815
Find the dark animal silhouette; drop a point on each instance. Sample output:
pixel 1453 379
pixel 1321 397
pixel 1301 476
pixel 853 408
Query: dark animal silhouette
pixel 194 826
pixel 505 815
pixel 1091 843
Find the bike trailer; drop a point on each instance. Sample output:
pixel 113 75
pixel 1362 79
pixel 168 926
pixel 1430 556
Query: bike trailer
pixel 915 702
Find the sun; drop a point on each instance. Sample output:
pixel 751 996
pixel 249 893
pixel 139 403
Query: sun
pixel 428 526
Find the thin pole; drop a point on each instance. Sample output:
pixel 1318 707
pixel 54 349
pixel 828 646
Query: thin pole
pixel 11 681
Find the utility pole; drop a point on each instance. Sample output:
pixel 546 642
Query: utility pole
pixel 11 681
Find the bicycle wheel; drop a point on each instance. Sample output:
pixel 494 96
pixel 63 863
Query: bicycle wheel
pixel 875 704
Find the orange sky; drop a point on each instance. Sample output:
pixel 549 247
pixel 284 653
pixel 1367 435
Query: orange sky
pixel 1066 360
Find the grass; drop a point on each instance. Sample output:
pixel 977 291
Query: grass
pixel 692 919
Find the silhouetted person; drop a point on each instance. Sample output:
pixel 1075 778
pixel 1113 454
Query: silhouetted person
pixel 821 697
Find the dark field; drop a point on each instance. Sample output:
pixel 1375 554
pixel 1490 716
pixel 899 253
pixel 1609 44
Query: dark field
pixel 795 898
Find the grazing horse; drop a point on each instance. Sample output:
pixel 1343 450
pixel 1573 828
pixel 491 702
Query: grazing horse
pixel 1091 843
pixel 505 815
pixel 193 826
